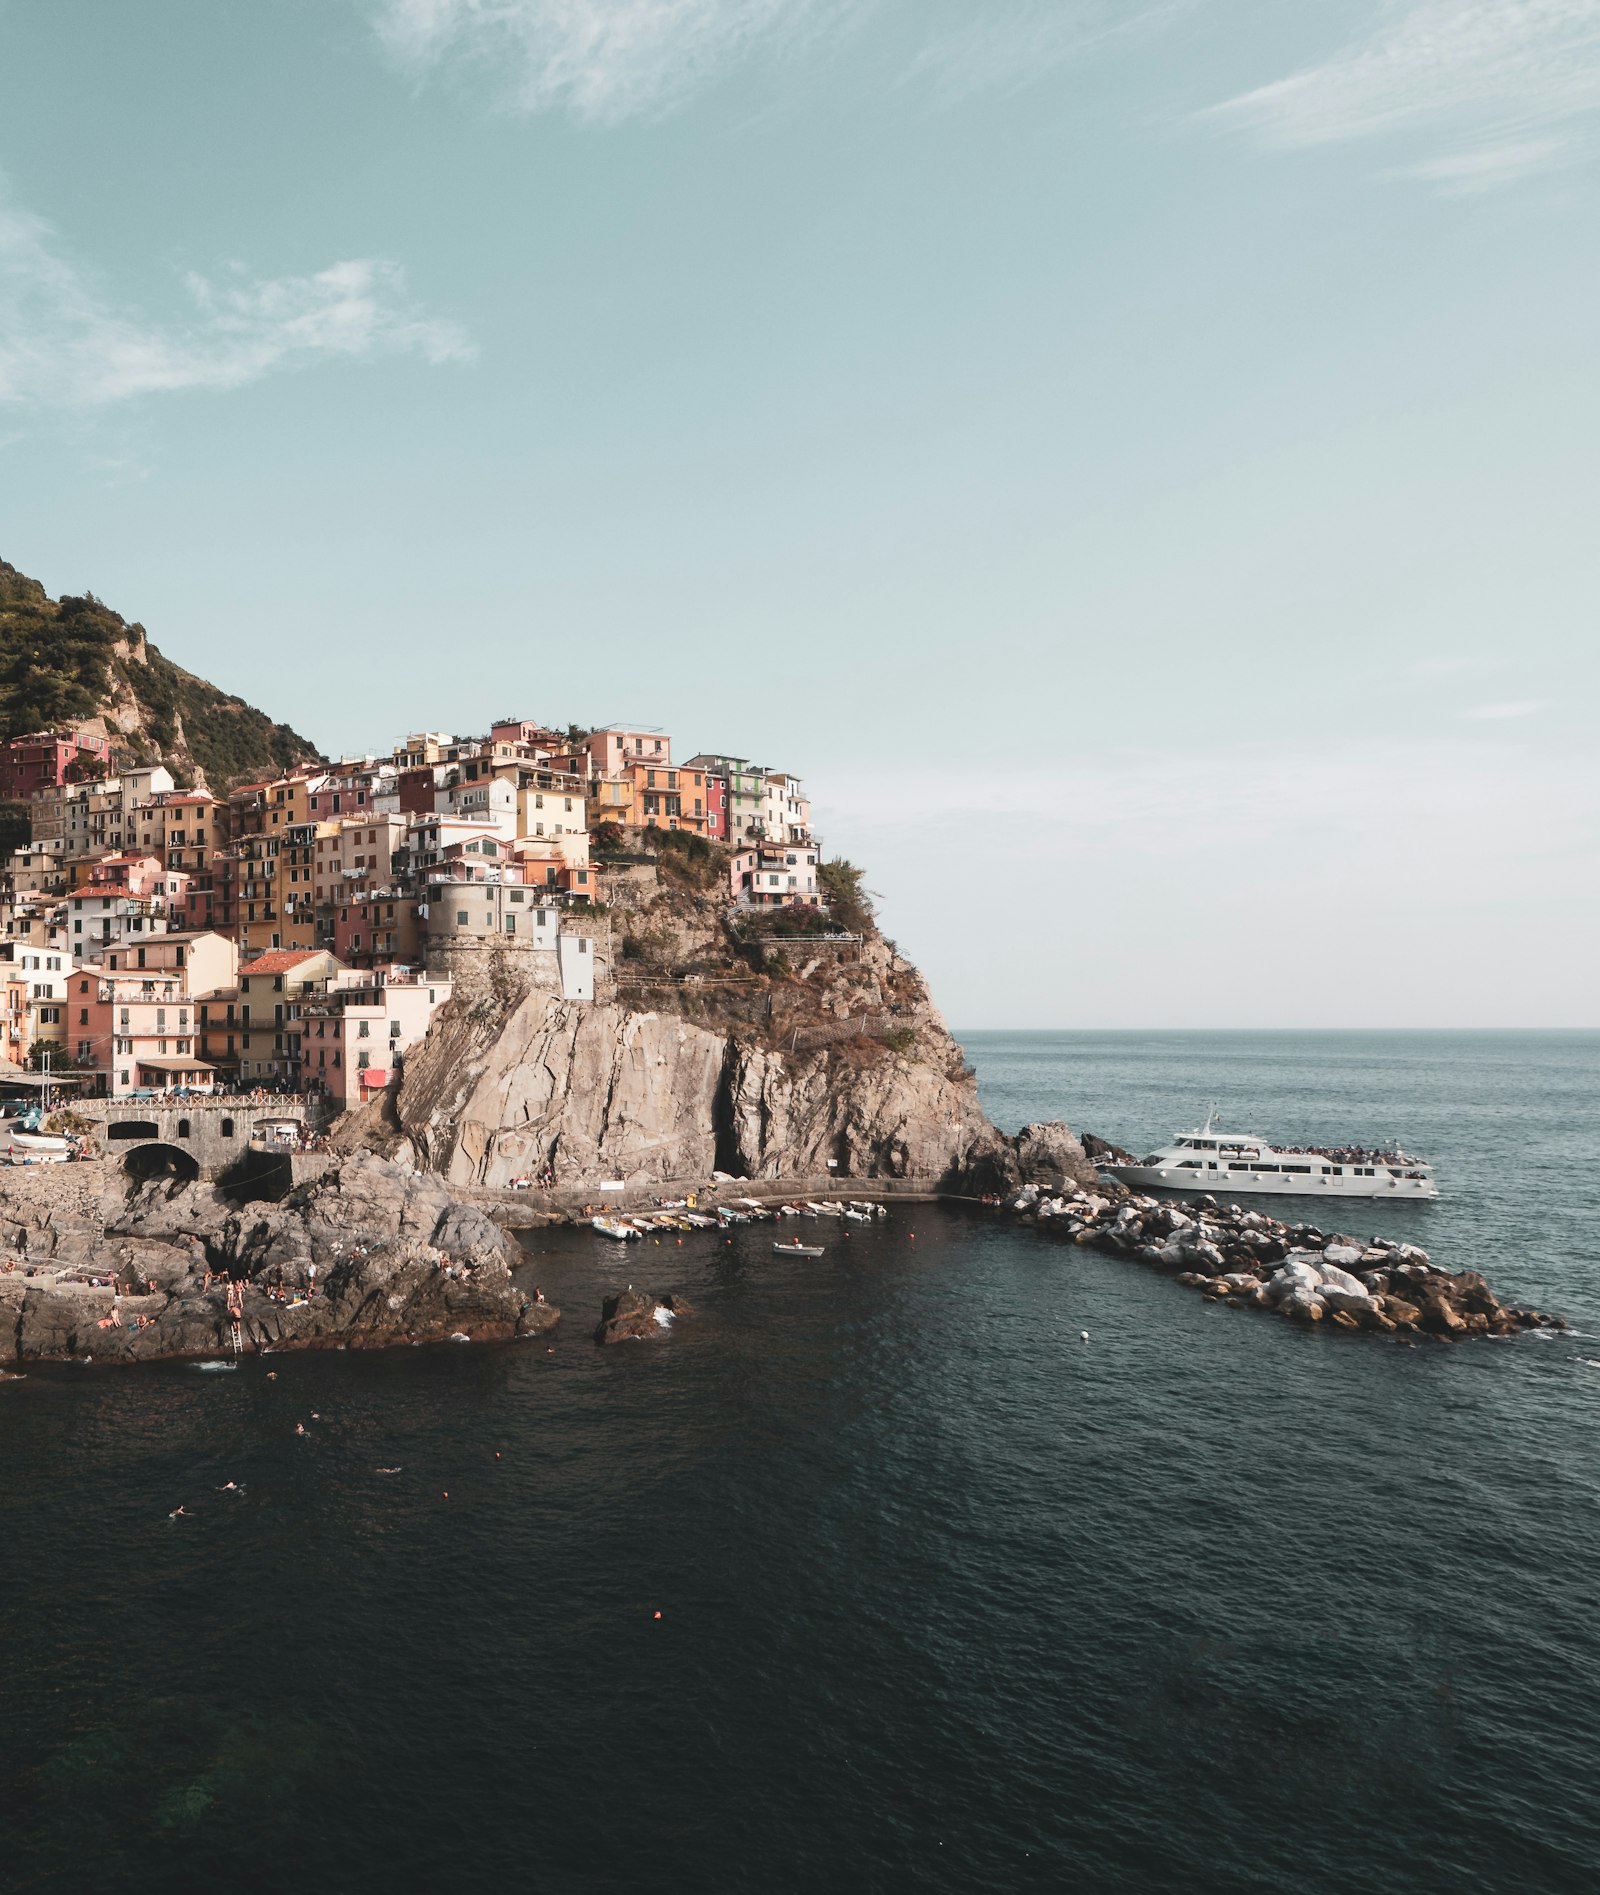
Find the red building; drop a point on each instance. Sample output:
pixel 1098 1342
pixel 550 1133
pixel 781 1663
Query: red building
pixel 370 930
pixel 45 761
pixel 716 806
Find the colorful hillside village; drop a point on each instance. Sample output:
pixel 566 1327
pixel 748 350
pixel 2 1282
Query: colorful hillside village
pixel 299 935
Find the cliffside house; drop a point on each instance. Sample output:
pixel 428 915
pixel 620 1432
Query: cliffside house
pixel 356 1027
pixel 743 790
pixel 773 875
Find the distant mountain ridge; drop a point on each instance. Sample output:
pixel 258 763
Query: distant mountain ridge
pixel 73 661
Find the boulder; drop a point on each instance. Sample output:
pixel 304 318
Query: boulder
pixel 1337 1279
pixel 1302 1304
pixel 1352 1303
pixel 1439 1318
pixel 1051 1155
pixel 1293 1277
pixel 629 1316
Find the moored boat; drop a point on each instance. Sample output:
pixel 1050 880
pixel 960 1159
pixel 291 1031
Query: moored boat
pixel 1214 1161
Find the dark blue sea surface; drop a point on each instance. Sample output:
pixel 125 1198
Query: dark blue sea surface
pixel 950 1599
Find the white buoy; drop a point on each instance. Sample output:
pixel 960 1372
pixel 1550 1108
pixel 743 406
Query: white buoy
pixel 1084 1333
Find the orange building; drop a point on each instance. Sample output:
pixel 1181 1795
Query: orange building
pixel 668 798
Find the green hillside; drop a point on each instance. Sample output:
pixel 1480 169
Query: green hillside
pixel 59 663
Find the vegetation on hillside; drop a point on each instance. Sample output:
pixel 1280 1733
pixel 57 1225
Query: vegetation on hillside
pixel 841 885
pixel 55 658
pixel 60 663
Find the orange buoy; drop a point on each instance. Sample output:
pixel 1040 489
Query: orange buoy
pixel 658 1615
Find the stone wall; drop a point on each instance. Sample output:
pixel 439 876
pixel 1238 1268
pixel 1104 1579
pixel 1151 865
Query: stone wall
pixel 504 969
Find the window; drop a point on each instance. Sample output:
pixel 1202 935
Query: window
pixel 461 917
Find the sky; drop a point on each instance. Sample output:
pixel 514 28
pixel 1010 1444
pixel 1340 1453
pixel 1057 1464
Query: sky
pixel 1134 459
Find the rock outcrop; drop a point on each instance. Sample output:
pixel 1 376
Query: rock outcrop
pixel 637 1316
pixel 368 1256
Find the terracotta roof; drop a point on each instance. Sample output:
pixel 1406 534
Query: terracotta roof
pixel 279 961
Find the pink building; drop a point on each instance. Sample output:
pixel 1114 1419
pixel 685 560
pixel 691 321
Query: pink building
pixel 44 760
pixel 355 1031
pixel 612 751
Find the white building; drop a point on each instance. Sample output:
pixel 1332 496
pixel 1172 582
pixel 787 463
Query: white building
pixel 785 808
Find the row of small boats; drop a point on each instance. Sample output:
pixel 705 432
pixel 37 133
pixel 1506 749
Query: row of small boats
pixel 738 1211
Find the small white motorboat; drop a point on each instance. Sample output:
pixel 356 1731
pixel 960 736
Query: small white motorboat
pixel 798 1250
pixel 615 1227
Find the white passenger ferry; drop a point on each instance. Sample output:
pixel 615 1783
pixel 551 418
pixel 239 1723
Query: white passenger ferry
pixel 1233 1162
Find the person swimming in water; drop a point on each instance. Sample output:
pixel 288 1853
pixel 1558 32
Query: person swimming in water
pixel 176 1511
pixel 388 1470
pixel 230 1487
pixel 299 1427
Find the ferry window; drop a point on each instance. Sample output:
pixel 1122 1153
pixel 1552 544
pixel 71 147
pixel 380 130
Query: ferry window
pixel 1189 1164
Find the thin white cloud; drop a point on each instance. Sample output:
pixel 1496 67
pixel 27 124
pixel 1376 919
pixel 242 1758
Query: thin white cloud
pixel 64 342
pixel 1503 82
pixel 1498 713
pixel 604 60
pixel 1008 44
pixel 1470 173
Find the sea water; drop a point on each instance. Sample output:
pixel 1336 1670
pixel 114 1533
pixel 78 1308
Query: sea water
pixel 948 1598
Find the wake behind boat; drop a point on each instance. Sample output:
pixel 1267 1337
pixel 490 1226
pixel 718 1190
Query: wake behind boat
pixel 1210 1160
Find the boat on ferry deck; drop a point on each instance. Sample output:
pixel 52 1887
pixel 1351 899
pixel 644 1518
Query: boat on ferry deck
pixel 1216 1162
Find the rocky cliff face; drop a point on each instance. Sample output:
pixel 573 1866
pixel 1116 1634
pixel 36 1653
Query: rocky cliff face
pixel 609 1091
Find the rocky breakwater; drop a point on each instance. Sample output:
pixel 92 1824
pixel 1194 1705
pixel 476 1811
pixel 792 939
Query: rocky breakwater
pixel 1247 1260
pixel 369 1256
